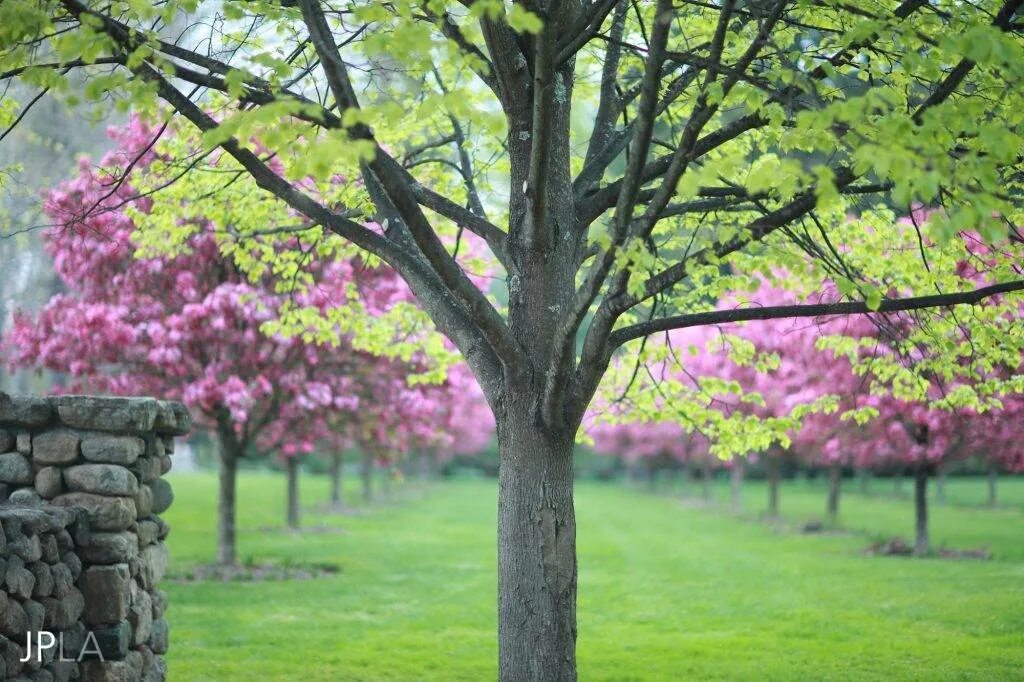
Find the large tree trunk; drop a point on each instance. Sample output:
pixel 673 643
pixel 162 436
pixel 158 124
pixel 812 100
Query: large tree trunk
pixel 772 466
pixel 292 465
pixel 227 553
pixel 337 469
pixel 993 480
pixel 536 554
pixel 921 542
pixel 366 474
pixel 736 484
pixel 835 478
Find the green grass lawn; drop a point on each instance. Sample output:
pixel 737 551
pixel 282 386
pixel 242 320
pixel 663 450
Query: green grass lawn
pixel 667 589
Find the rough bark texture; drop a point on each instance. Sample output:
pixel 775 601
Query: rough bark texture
pixel 293 493
pixel 337 469
pixel 736 485
pixel 921 542
pixel 536 555
pixel 226 543
pixel 835 477
pixel 772 465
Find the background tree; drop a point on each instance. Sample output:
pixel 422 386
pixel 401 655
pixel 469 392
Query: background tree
pixel 189 327
pixel 740 133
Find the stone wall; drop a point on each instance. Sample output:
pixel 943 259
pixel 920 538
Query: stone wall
pixel 81 543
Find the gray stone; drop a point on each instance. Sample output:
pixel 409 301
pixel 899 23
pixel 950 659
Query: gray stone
pixel 23 443
pixel 158 636
pixel 27 547
pixel 118 415
pixel 154 565
pixel 5 491
pixel 50 550
pixel 159 599
pixel 146 469
pixel 79 528
pixel 114 640
pixel 19 580
pixel 163 496
pixel 44 579
pixel 26 496
pixel 64 671
pixel 107 671
pixel 155 447
pixel 165 464
pixel 106 592
pixel 15 468
pixel 44 675
pixel 13 621
pixel 147 532
pixel 73 640
pixel 55 447
pixel 165 528
pixel 49 483
pixel 105 513
pixel 23 410
pixel 153 669
pixel 140 615
pixel 6 440
pixel 63 612
pixel 112 449
pixel 63 581
pixel 64 540
pixel 144 501
pixel 74 564
pixel 110 548
pixel 12 653
pixel 183 418
pixel 35 520
pixel 34 614
pixel 104 479
pixel 168 444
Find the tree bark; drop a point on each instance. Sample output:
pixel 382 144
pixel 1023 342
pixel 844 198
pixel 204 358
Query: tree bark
pixel 921 542
pixel 366 474
pixel 835 477
pixel 293 492
pixel 337 469
pixel 227 553
pixel 736 484
pixel 772 466
pixel 536 554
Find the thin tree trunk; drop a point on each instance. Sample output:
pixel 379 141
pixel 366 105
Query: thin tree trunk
pixel 993 480
pixel 921 542
pixel 227 553
pixel 293 492
pixel 835 478
pixel 366 473
pixel 736 484
pixel 337 469
pixel 772 466
pixel 536 554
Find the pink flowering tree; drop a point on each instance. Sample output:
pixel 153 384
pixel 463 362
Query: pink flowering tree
pixel 192 327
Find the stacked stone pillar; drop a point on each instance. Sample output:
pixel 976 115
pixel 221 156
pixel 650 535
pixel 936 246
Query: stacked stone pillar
pixel 82 545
